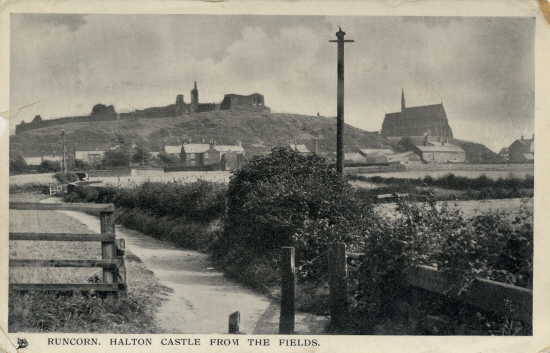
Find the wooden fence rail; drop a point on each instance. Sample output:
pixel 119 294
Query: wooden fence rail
pixel 503 299
pixel 112 250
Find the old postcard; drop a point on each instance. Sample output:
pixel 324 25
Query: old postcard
pixel 274 176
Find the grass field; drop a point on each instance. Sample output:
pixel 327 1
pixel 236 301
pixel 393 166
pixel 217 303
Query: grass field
pixel 72 312
pixel 493 171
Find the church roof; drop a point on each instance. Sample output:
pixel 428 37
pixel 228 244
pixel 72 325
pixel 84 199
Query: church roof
pixel 423 111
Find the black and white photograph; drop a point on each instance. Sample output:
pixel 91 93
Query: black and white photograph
pixel 218 179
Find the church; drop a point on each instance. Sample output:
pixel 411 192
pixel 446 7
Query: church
pixel 417 121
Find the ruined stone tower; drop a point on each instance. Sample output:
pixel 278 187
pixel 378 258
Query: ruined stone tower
pixel 179 110
pixel 195 99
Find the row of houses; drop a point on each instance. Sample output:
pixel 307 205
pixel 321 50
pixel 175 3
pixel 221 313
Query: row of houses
pixel 207 154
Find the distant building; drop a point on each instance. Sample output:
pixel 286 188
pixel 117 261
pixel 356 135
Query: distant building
pixel 441 154
pixel 354 158
pixel 92 153
pixel 522 151
pixel 226 157
pixel 300 148
pixel 40 159
pixel 416 121
pixel 173 150
pixel 254 102
pixel 368 152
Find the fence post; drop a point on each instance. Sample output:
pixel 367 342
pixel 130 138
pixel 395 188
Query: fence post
pixel 286 321
pixel 108 247
pixel 120 248
pixel 337 267
pixel 234 320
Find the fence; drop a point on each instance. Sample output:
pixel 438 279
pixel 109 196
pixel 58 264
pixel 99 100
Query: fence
pixel 500 298
pixel 112 250
pixel 56 189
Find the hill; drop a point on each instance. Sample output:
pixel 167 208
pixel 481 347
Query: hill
pixel 258 132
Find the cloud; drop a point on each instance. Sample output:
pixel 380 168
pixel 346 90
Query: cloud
pixel 483 71
pixel 70 21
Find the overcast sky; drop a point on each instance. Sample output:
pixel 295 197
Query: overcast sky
pixel 482 69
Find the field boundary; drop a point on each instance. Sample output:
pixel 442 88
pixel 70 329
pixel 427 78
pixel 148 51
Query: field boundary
pixel 112 250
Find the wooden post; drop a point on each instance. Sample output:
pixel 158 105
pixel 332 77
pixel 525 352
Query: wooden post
pixel 120 248
pixel 337 267
pixel 108 247
pixel 288 284
pixel 234 320
pixel 340 102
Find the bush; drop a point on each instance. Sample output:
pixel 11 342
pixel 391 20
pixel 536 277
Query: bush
pixel 284 199
pixel 66 178
pixel 48 166
pixel 487 246
pixel 80 164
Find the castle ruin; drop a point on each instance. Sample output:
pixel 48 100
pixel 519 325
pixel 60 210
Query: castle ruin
pixel 253 102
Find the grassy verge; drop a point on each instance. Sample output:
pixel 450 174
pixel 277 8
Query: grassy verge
pixel 70 311
pixel 450 187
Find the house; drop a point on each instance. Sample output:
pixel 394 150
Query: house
pixel 92 157
pixel 367 152
pixel 301 149
pixel 91 153
pixel 354 158
pixel 228 156
pixel 349 157
pixel 522 151
pixel 39 160
pixel 195 154
pixel 404 158
pixel 441 154
pixel 173 150
pixel 203 154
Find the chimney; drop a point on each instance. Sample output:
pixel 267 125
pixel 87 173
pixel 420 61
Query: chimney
pixel 521 137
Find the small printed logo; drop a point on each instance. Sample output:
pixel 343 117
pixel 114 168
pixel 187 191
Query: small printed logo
pixel 22 343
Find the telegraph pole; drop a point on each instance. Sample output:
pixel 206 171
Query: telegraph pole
pixel 64 151
pixel 340 105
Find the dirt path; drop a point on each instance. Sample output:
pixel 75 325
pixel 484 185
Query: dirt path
pixel 202 297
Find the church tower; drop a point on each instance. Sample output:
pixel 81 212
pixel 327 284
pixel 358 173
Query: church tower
pixel 195 99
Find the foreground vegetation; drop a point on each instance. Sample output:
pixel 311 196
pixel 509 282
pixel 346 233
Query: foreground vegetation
pixel 286 199
pixel 72 311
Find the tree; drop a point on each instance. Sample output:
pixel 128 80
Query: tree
pixel 405 145
pixel 142 154
pixel 119 157
pixel 168 158
pixel 17 163
pixel 37 119
pixel 504 153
